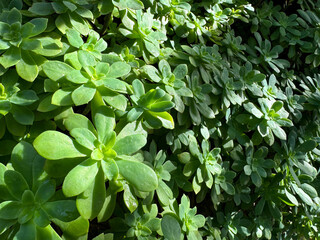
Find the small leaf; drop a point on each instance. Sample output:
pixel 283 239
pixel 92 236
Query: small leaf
pixel 145 181
pixel 104 122
pixel 27 231
pixel 24 97
pixel 84 137
pixel 10 210
pixel 15 183
pixel 80 178
pixel 45 191
pixel 54 145
pixel 56 70
pixel 91 201
pixel 118 69
pixel 41 8
pixel 83 95
pixel 129 144
pixel 64 210
pixel 74 38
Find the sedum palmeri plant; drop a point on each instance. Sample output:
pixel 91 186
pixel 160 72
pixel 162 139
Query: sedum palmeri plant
pixel 169 120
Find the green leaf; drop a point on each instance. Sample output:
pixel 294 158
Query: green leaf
pixel 307 146
pixel 292 198
pixel 256 179
pixel 5 107
pixel 79 23
pixel 84 137
pixel 115 85
pixel 10 210
pixel 75 76
pixel 180 71
pixel 62 97
pixel 164 117
pixel 118 69
pixel 91 201
pixel 115 100
pixel 64 210
pixel 75 228
pixel 22 115
pixel 54 145
pixel 30 44
pixel 15 183
pixel 80 178
pixel 41 8
pixel 27 67
pixel 279 132
pixel 50 46
pixel 11 57
pixel 27 231
pixel 83 95
pixel 145 181
pixel 134 114
pixel 129 144
pixel 45 191
pixel 138 87
pixel 108 206
pixel 74 38
pixel 40 25
pixel 170 227
pixel 78 121
pixel 27 161
pixel 14 16
pixel 152 72
pixel 110 169
pixel 24 97
pixel 86 59
pixel 104 121
pixel 56 70
pixel 129 198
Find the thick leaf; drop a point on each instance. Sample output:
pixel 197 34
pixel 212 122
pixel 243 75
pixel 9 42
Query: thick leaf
pixel 78 121
pixel 129 144
pixel 40 25
pixel 64 210
pixel 105 122
pixel 75 228
pixel 28 162
pixel 108 206
pixel 84 137
pixel 110 169
pixel 91 201
pixel 22 115
pixel 118 69
pixel 170 227
pixel 54 145
pixel 25 97
pixel 15 183
pixel 45 191
pixel 80 178
pixel 145 181
pixel 74 38
pixel 83 95
pixel 86 58
pixel 56 69
pixel 11 57
pixel 27 231
pixel 10 210
pixel 129 198
pixel 41 8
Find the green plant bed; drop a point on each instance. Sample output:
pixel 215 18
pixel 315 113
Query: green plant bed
pixel 170 119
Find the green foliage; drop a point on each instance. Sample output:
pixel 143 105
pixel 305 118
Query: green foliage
pixel 170 119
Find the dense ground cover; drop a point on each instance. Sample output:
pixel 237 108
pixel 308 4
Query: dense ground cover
pixel 170 119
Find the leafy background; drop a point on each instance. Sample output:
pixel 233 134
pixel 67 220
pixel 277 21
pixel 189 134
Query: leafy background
pixel 170 119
